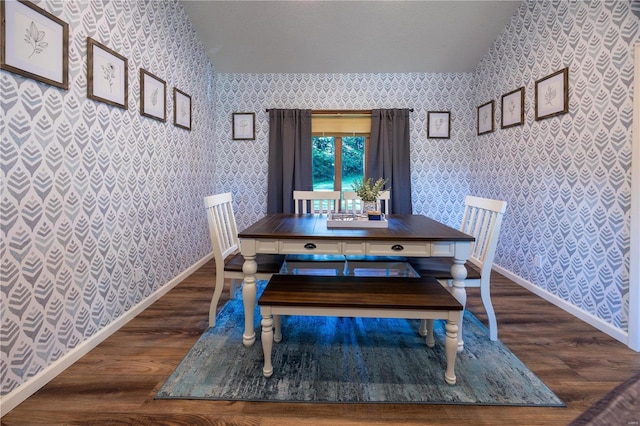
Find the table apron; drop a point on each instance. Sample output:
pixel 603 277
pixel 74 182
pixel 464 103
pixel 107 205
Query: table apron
pixel 354 247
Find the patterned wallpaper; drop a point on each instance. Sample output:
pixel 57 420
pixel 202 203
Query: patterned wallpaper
pixel 439 170
pixel 99 206
pixel 567 179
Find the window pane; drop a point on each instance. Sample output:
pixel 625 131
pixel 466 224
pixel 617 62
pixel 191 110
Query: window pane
pixel 352 160
pixel 323 154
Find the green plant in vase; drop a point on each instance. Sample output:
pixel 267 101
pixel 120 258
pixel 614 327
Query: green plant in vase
pixel 369 192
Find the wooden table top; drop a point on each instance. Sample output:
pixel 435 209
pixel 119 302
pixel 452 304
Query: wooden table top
pixel 401 227
pixel 358 292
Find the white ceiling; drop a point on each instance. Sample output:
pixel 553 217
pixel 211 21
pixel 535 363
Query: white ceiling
pixel 308 36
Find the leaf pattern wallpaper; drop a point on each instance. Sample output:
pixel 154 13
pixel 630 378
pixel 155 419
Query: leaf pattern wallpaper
pixel 91 193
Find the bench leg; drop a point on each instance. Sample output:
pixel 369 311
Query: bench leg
pixel 267 343
pixel 451 347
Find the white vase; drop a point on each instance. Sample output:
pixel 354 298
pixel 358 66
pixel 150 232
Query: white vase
pixel 368 206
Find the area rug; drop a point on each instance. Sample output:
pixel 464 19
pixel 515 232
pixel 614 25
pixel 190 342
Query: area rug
pixel 353 360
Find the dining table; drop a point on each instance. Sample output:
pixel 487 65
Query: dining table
pixel 407 235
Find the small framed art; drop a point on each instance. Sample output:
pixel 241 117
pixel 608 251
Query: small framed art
pixel 485 118
pixel 107 75
pixel 552 94
pixel 35 43
pixel 439 124
pixel 244 126
pixel 513 108
pixel 181 109
pixel 153 96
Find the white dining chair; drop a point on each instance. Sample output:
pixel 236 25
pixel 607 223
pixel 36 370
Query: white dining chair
pixel 226 246
pixel 315 202
pixel 322 202
pixel 363 264
pixel 482 219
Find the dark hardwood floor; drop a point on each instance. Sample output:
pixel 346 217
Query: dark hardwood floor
pixel 116 382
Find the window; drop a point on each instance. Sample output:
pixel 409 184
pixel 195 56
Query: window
pixel 339 144
pixel 337 161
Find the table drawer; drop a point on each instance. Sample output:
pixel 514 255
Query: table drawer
pixel 310 247
pixel 398 248
pixel 266 246
pixel 443 249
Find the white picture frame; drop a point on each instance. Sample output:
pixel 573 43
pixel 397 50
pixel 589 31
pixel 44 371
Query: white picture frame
pixel 181 109
pixel 512 108
pixel 35 43
pixel 244 126
pixel 485 118
pixel 438 124
pixel 552 94
pixel 153 96
pixel 107 75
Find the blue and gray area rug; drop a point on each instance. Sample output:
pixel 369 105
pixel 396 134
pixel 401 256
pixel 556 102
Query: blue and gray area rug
pixel 353 360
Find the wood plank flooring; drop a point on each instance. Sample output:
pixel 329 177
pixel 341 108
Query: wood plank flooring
pixel 115 383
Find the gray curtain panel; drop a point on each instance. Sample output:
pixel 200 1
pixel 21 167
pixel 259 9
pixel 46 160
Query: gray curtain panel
pixel 389 155
pixel 289 157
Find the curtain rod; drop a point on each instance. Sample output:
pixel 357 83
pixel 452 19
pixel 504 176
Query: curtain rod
pixel 340 111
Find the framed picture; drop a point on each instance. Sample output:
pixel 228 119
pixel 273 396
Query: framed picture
pixel 438 124
pixel 485 118
pixel 552 94
pixel 153 96
pixel 35 43
pixel 244 126
pixel 513 108
pixel 181 109
pixel 107 75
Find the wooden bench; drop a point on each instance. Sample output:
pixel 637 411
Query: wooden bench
pixel 355 296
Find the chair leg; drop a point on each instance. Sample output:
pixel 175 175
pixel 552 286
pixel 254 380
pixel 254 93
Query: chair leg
pixel 235 286
pixel 485 294
pixel 430 339
pixel 277 334
pixel 216 298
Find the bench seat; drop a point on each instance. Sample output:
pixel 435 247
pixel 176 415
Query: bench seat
pixel 354 296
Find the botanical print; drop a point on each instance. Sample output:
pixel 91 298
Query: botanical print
pixel 438 124
pixel 33 43
pixel 109 71
pixel 550 95
pixel 35 38
pixel 512 109
pixel 244 125
pixel 154 97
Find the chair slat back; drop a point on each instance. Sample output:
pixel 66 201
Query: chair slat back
pixel 385 201
pixel 352 203
pixel 222 226
pixel 482 219
pixel 316 201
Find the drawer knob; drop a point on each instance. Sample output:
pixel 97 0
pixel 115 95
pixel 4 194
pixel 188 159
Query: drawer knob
pixel 310 246
pixel 397 247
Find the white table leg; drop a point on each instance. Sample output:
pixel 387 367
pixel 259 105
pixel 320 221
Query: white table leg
pixel 459 273
pixel 451 344
pixel 249 292
pixel 267 341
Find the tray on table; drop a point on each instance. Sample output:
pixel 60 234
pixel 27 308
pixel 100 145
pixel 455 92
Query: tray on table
pixel 354 220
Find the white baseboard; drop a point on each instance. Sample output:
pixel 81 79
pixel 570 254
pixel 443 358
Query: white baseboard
pixel 28 388
pixel 590 319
